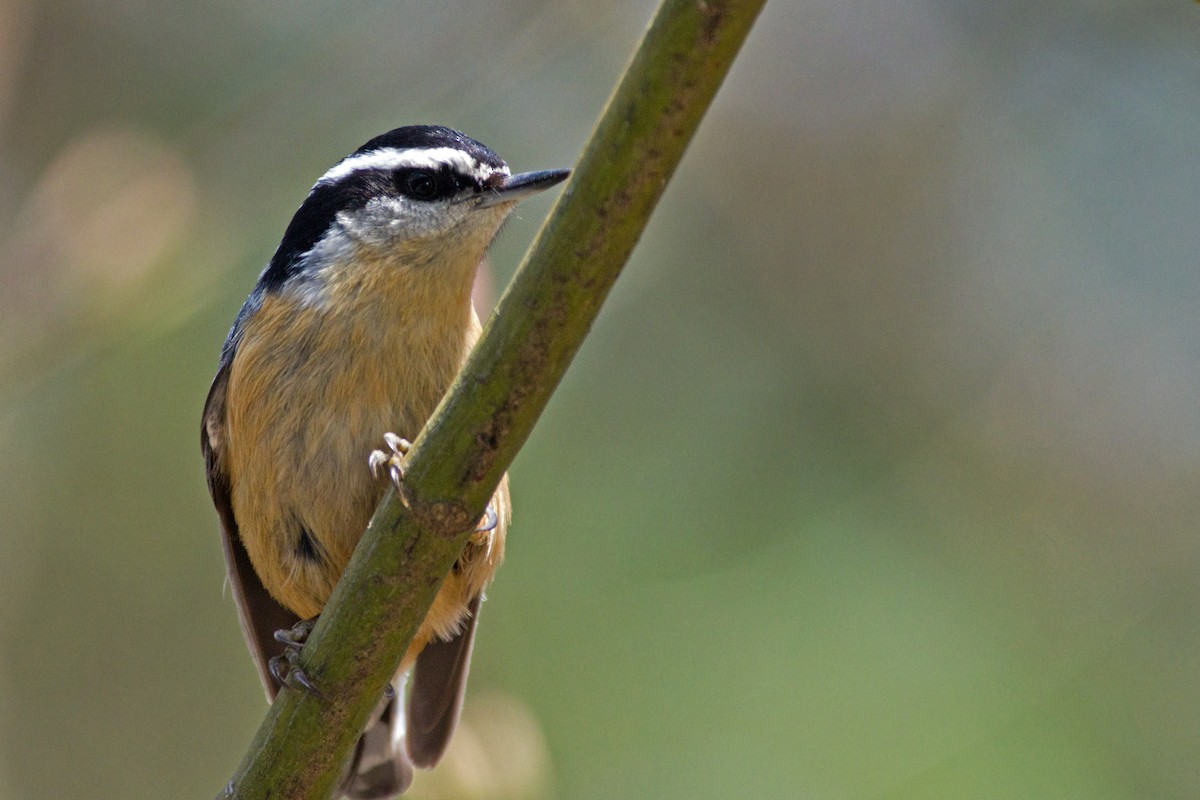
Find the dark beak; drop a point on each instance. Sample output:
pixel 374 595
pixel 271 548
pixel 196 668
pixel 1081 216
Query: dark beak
pixel 518 187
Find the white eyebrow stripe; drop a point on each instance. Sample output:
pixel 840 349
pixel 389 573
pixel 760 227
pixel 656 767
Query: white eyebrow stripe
pixel 390 158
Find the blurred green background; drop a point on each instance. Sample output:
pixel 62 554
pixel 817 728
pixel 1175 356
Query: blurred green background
pixel 876 479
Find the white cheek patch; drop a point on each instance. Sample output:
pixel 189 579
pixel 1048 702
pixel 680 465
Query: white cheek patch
pixel 385 219
pixel 433 158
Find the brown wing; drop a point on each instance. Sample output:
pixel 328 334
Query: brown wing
pixel 439 681
pixel 259 614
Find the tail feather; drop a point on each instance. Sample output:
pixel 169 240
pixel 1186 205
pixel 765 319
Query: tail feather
pixel 380 768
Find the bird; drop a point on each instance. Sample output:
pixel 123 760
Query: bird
pixel 353 332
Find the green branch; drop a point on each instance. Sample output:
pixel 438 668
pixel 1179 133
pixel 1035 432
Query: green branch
pixel 460 456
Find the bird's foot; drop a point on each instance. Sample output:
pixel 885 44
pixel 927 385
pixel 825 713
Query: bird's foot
pixel 391 463
pixel 285 667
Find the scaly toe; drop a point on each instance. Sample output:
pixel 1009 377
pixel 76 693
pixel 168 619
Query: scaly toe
pixel 295 636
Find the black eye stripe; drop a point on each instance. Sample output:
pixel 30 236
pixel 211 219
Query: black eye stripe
pixel 422 183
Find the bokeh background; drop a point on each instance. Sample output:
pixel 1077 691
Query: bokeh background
pixel 877 477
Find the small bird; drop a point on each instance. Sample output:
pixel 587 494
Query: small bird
pixel 356 328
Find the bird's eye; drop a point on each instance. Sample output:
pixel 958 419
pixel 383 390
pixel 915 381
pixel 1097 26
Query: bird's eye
pixel 421 185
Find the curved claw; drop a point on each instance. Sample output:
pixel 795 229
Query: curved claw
pixel 300 677
pixel 288 673
pixel 493 519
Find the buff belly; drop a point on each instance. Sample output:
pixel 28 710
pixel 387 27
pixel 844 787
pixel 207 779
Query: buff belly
pixel 301 424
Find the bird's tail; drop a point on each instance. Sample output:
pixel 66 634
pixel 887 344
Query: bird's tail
pixel 380 767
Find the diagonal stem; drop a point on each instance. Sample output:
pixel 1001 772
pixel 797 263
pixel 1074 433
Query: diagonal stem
pixel 485 418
